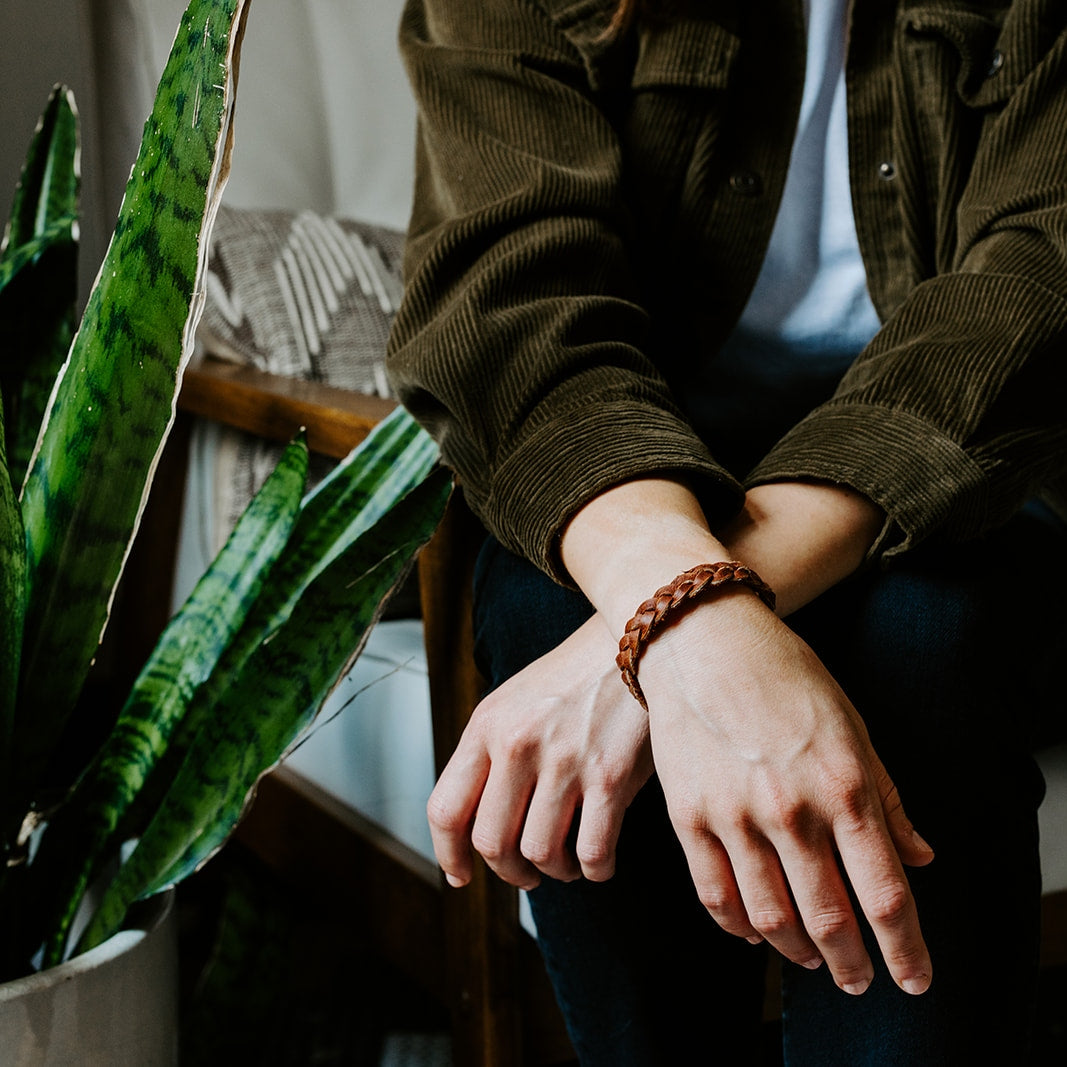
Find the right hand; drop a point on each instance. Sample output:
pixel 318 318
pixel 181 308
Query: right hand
pixel 772 784
pixel 777 795
pixel 562 736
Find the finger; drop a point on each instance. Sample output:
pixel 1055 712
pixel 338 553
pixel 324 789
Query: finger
pixel 499 821
pixel 546 831
pixel 768 902
pixel 911 848
pixel 826 911
pixel 451 809
pixel 598 835
pixel 882 889
pixel 713 875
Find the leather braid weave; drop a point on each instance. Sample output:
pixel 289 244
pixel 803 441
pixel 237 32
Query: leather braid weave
pixel 687 586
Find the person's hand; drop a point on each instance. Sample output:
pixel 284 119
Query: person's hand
pixel 777 796
pixel 771 782
pixel 563 735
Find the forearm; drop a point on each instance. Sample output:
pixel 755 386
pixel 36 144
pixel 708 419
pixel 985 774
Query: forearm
pixel 801 538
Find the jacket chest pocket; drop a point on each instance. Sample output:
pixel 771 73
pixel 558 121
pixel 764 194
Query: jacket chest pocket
pixel 683 54
pixel 663 83
pixel 956 72
pixel 954 58
pixel 671 114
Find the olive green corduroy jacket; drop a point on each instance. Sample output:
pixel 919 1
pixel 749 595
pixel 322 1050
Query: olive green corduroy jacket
pixel 590 217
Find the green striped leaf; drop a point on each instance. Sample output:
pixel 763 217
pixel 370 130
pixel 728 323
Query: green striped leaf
pixel 279 692
pixel 84 829
pixel 22 256
pixel 390 461
pixel 12 598
pixel 39 277
pixel 394 458
pixel 115 396
pixel 48 188
pixel 396 455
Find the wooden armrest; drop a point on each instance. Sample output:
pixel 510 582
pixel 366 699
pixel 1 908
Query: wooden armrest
pixel 275 407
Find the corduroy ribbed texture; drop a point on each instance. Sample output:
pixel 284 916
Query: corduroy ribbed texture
pixel 590 216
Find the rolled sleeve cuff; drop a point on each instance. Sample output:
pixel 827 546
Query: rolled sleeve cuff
pixel 940 488
pixel 562 465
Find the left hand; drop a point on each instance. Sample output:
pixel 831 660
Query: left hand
pixel 562 736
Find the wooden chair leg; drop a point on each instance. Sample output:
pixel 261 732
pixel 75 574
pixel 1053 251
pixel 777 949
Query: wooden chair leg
pixel 482 924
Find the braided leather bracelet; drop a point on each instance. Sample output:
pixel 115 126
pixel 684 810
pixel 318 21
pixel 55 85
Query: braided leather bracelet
pixel 687 586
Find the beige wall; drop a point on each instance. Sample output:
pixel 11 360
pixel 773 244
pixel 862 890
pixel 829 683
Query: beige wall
pixel 324 116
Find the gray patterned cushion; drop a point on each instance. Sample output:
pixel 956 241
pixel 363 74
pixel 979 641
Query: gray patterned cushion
pixel 303 295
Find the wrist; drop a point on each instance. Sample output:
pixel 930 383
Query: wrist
pixel 633 539
pixel 667 603
pixel 803 537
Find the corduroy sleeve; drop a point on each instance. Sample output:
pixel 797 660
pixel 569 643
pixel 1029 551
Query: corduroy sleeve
pixel 519 341
pixel 956 413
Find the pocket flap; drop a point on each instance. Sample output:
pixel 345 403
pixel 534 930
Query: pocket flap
pixel 983 80
pixel 685 53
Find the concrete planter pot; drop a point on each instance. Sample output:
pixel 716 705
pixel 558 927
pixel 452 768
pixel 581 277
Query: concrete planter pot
pixel 112 1007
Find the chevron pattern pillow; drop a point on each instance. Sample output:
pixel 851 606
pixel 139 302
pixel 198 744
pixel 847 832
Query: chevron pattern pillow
pixel 303 295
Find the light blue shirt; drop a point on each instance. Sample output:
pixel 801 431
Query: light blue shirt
pixel 809 313
pixel 812 290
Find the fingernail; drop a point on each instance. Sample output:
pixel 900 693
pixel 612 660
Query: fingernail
pixel 915 986
pixel 856 988
pixel 755 939
pixel 813 964
pixel 454 881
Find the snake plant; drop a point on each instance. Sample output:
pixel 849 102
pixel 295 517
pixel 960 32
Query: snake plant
pixel 243 668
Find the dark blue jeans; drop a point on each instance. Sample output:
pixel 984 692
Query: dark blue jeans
pixel 951 660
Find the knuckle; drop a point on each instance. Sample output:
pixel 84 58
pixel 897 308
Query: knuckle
pixel 688 816
pixel 607 773
pixel 791 818
pixel 889 904
pixel 724 909
pixel 830 925
pixel 717 900
pixel 598 872
pixel 850 797
pixel 771 922
pixel 540 853
pixel 781 811
pixel 597 855
pixel 518 745
pixel 489 847
pixel 442 815
pixel 601 780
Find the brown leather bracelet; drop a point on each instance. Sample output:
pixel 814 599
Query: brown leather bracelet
pixel 685 588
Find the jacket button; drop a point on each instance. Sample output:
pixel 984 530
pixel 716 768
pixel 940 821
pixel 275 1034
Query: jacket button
pixel 887 171
pixel 746 182
pixel 996 61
